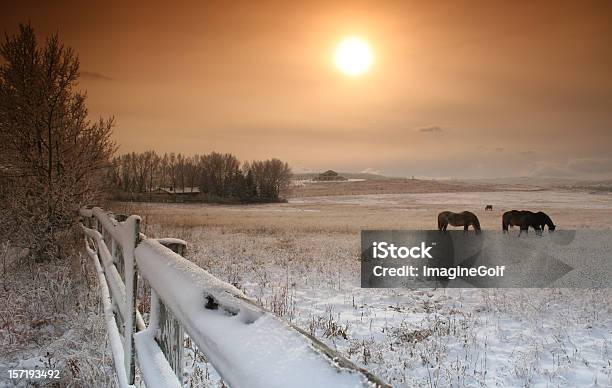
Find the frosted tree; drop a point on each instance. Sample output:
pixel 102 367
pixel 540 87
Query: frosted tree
pixel 271 177
pixel 51 156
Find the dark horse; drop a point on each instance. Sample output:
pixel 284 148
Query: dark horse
pixel 525 219
pixel 464 219
pixel 489 207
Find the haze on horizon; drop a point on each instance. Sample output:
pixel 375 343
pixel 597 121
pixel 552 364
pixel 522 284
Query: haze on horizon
pixel 465 89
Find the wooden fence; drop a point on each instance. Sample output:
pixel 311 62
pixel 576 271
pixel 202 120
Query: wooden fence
pixel 247 345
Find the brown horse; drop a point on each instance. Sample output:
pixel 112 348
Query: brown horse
pixel 489 207
pixel 464 219
pixel 526 219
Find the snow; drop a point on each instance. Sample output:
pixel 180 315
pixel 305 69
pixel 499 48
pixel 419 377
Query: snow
pixel 86 212
pixel 117 288
pixel 462 337
pixel 153 365
pixel 471 337
pixel 170 240
pixel 111 324
pixel 306 269
pixel 127 234
pixel 248 346
pixel 115 283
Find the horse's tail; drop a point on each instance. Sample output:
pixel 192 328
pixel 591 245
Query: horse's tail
pixel 476 224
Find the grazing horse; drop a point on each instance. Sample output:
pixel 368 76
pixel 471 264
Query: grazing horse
pixel 520 218
pixel 544 219
pixel 464 219
pixel 489 207
pixel 525 219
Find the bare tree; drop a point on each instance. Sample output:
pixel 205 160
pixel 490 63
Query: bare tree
pixel 218 172
pixel 52 156
pixel 271 177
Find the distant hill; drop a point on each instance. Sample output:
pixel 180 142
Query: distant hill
pixel 522 180
pixel 502 183
pixel 597 186
pixel 349 175
pixel 563 183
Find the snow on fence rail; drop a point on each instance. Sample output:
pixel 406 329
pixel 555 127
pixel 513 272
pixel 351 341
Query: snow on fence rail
pixel 247 345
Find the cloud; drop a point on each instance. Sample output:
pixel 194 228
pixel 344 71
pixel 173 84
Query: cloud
pixel 431 129
pixel 499 149
pixel 371 170
pixel 527 152
pixel 96 76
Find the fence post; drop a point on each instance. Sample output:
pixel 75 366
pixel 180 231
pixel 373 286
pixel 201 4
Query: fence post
pixel 131 288
pixel 171 333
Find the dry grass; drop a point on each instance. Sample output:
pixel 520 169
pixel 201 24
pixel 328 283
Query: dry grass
pixel 388 186
pixel 291 218
pixel 50 318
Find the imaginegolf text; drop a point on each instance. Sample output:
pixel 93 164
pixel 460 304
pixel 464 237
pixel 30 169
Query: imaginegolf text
pixel 450 273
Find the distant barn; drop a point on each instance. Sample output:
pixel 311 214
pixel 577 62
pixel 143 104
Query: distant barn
pixel 328 176
pixel 186 191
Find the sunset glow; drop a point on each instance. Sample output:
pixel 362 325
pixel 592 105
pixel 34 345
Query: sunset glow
pixel 354 56
pixel 417 80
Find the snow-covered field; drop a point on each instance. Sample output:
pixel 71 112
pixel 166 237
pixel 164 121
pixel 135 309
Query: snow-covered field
pixel 301 260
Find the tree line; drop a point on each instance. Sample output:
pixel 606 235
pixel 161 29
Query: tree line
pixel 216 176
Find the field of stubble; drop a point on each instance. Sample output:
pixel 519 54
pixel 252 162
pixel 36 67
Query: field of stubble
pixel 301 260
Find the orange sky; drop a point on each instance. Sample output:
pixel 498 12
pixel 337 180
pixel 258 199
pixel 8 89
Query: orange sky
pixel 458 89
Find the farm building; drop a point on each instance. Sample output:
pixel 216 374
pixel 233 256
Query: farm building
pixel 187 191
pixel 329 175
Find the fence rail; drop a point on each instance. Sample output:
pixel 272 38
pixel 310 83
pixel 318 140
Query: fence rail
pixel 246 344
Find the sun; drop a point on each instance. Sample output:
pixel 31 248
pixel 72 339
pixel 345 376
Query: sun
pixel 354 56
